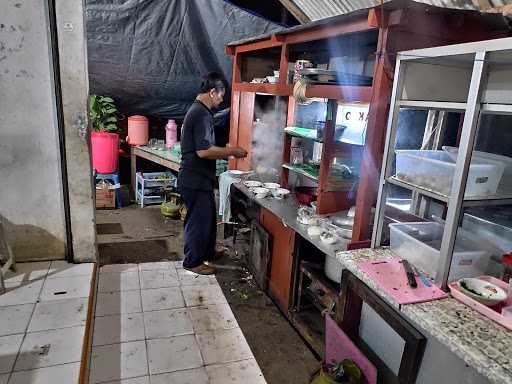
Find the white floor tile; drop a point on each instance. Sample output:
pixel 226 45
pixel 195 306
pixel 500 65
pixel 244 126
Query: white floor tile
pixel 167 323
pixel 15 319
pixel 191 278
pixel 66 288
pixel 137 380
pixel 119 268
pixel 47 348
pixel 247 372
pixel 118 329
pixel 162 298
pixel 114 303
pixel 158 278
pixel 212 317
pixel 118 361
pixel 173 354
pixel 155 265
pixel 28 271
pixel 115 282
pixel 59 314
pixel 21 293
pixel 223 346
pixel 190 376
pixel 9 347
pixel 203 295
pixel 4 378
pixel 62 268
pixel 65 373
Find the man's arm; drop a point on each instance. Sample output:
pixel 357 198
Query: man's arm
pixel 214 152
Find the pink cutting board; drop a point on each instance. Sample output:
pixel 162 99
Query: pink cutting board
pixel 389 274
pixel 338 347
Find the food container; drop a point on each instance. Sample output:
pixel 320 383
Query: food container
pixel 495 235
pixel 280 193
pixel 260 193
pixel 314 231
pixel 276 74
pixel 482 291
pixel 333 268
pixel 328 238
pixel 137 130
pixel 252 184
pixel 489 312
pixel 434 170
pixel 420 244
pixel 272 79
pixel 271 185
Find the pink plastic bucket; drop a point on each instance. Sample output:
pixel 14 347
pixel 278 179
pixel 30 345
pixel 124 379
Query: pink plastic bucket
pixel 105 151
pixel 137 130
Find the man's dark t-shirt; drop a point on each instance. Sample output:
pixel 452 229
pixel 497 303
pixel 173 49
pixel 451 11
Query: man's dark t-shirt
pixel 197 134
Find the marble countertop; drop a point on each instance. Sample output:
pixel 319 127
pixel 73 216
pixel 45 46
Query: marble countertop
pixel 478 341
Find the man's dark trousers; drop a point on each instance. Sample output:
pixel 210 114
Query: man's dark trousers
pixel 200 226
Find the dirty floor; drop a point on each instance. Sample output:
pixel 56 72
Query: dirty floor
pixel 135 235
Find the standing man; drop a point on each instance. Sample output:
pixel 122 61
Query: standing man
pixel 196 179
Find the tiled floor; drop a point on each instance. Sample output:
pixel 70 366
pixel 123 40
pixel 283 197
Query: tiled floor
pixel 42 322
pixel 159 324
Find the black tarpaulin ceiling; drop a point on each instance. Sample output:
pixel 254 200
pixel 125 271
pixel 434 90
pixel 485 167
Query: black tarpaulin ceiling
pixel 149 55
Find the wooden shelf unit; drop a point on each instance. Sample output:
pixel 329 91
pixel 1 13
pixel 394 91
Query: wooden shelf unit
pixel 397 26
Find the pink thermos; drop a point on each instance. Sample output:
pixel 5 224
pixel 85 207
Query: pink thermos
pixel 171 130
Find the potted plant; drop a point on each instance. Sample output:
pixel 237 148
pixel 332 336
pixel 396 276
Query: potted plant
pixel 104 138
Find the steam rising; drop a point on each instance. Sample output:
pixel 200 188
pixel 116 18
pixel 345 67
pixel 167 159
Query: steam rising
pixel 267 141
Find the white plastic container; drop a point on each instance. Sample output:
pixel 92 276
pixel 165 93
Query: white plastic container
pixel 333 268
pixel 420 244
pixel 434 171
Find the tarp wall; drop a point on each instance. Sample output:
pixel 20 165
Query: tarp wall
pixel 149 55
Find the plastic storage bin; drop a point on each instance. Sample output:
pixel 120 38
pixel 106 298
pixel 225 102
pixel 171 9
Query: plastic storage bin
pixel 434 170
pixel 420 244
pixel 148 186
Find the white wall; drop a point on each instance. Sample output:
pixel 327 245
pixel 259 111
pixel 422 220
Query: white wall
pixel 31 197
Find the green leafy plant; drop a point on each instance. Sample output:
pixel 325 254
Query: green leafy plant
pixel 103 114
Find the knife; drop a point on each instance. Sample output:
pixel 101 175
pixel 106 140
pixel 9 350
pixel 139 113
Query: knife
pixel 411 279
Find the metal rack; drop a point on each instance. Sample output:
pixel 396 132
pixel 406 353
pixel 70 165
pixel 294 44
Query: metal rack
pixel 473 79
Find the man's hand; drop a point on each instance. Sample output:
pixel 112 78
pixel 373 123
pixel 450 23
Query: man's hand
pixel 239 153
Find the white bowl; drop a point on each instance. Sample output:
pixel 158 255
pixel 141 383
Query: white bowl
pixel 328 238
pixel 260 193
pixel 276 74
pixel 236 173
pixel 252 184
pixel 271 185
pixel 272 79
pixel 488 294
pixel 314 231
pixel 279 193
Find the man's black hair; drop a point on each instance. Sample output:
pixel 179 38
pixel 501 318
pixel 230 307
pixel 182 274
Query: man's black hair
pixel 213 80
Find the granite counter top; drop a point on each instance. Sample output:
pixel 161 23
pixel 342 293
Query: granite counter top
pixel 478 341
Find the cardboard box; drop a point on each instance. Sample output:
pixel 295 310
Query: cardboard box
pixel 105 198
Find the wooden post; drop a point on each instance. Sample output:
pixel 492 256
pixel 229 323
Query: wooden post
pixel 374 145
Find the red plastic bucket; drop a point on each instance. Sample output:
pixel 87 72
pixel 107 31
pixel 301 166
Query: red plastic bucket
pixel 105 151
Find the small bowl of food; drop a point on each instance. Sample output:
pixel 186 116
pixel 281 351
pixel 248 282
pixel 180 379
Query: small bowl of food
pixel 482 291
pixel 271 185
pixel 280 193
pixel 314 231
pixel 252 184
pixel 260 193
pixel 328 238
